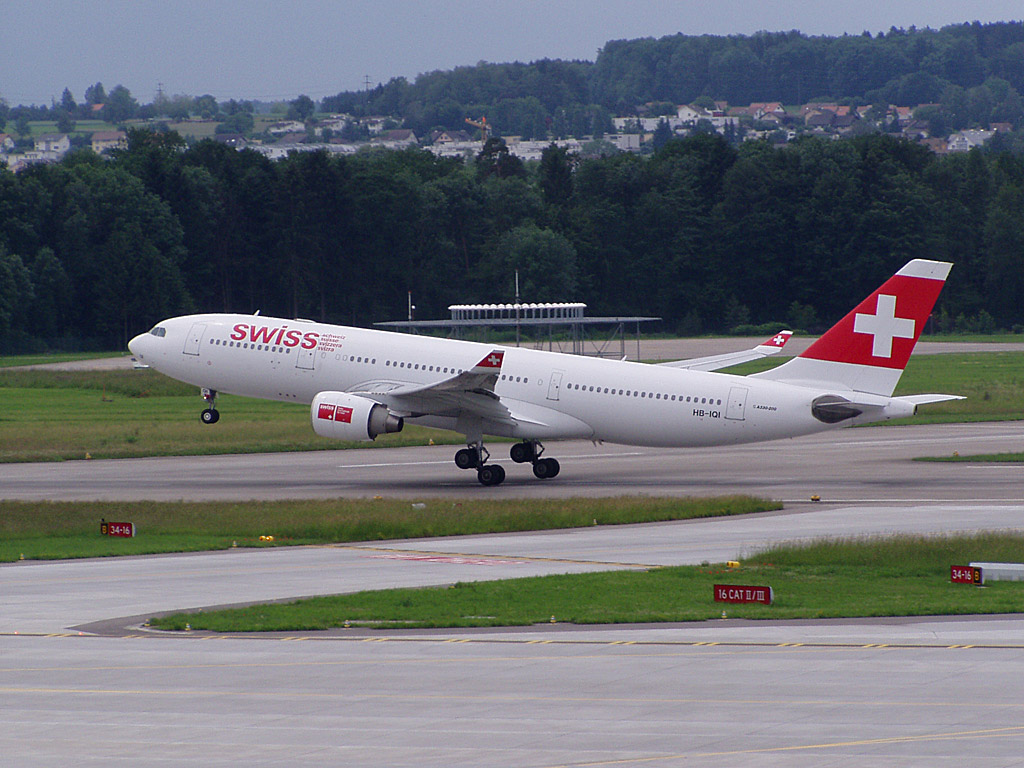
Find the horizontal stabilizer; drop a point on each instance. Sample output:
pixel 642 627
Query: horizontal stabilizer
pixel 926 399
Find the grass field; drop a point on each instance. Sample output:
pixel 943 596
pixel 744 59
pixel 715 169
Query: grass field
pixel 60 415
pixel 902 576
pixel 57 530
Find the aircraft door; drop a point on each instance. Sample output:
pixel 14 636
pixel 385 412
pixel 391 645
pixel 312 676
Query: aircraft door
pixel 737 404
pixel 306 359
pixel 555 385
pixel 194 338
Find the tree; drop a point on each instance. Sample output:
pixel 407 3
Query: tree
pixel 1004 238
pixel 662 135
pixel 495 159
pixel 67 102
pixel 545 260
pixel 64 122
pixel 21 124
pixel 120 105
pixel 239 122
pixel 15 292
pixel 206 107
pixel 95 94
pixel 301 108
pixel 555 172
pixel 53 295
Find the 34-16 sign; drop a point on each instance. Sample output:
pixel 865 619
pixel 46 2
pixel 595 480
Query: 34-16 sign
pixel 965 574
pixel 125 530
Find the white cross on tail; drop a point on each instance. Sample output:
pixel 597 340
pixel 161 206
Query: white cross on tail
pixel 884 326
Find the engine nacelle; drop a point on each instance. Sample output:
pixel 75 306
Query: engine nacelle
pixel 342 416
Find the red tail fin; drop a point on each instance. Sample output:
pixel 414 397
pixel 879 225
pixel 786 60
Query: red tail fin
pixel 868 349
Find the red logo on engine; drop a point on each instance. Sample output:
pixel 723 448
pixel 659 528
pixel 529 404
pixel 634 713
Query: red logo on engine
pixel 329 412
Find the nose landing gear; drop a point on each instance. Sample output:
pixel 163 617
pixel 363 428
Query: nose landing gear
pixel 210 415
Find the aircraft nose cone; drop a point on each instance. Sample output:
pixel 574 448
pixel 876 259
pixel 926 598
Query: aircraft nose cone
pixel 137 345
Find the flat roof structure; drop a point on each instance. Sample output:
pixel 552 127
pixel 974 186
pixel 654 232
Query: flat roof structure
pixel 549 315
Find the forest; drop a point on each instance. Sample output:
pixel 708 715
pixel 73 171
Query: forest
pixel 909 67
pixel 708 236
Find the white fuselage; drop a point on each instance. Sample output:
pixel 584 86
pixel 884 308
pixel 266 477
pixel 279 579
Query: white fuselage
pixel 551 395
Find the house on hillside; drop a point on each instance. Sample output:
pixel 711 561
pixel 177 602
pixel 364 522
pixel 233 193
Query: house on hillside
pixel 104 141
pixel 819 118
pixel 449 137
pixel 402 137
pixel 285 127
pixel 335 123
pixel 57 143
pixel 964 141
pixel 759 110
pixel 6 142
pixel 691 114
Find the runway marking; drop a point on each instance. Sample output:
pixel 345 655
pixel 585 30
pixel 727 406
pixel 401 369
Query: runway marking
pixel 519 559
pixel 448 559
pixel 950 736
pixel 645 648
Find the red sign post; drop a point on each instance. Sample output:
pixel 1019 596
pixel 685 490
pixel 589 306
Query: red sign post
pixel 125 530
pixel 734 593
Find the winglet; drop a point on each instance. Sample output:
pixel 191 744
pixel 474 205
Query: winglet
pixel 770 346
pixel 775 344
pixel 491 363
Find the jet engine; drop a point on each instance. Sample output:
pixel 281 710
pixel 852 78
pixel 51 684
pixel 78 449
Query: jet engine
pixel 342 416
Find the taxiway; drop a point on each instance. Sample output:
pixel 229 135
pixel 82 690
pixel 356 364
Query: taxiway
pixel 925 691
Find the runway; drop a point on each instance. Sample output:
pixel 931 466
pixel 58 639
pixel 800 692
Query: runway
pixel 929 692
pixel 873 464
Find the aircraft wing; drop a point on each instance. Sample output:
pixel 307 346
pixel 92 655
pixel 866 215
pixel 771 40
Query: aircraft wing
pixel 469 392
pixel 770 346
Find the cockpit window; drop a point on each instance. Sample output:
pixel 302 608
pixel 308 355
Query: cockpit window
pixel 159 331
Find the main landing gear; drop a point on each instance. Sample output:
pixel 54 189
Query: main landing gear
pixel 530 451
pixel 476 457
pixel 210 415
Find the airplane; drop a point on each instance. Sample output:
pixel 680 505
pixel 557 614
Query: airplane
pixel 361 383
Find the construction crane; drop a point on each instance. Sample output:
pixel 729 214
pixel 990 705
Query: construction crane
pixel 485 129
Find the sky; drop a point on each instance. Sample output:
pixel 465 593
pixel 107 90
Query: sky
pixel 274 50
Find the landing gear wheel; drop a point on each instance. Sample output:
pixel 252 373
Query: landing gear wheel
pixel 210 416
pixel 491 474
pixel 467 458
pixel 545 469
pixel 523 452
